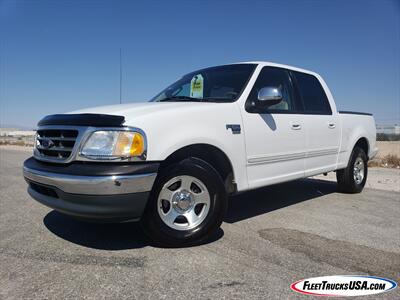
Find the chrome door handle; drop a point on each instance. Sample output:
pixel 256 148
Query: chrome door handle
pixel 296 126
pixel 331 125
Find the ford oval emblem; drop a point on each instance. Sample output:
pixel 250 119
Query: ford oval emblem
pixel 47 144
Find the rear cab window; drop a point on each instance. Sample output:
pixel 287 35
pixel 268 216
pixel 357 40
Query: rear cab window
pixel 312 94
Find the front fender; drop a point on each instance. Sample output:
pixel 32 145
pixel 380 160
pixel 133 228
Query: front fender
pixel 167 133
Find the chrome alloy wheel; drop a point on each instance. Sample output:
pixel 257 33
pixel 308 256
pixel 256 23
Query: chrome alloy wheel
pixel 358 170
pixel 183 202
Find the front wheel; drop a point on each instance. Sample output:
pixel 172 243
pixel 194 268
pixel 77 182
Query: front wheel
pixel 187 204
pixel 352 179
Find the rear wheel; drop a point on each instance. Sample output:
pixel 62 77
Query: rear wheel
pixel 187 204
pixel 353 178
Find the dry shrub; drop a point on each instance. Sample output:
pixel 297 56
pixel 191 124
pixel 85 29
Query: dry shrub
pixel 392 160
pixel 389 161
pixel 374 163
pixel 16 143
pixel 19 143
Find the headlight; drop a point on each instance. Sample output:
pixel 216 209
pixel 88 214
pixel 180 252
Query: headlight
pixel 114 145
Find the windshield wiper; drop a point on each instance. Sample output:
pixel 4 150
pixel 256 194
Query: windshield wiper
pixel 180 98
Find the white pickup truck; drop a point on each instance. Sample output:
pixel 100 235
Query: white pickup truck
pixel 172 162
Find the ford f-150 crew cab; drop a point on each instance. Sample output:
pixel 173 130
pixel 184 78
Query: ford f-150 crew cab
pixel 172 162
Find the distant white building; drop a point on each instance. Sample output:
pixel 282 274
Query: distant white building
pixel 395 129
pixel 12 132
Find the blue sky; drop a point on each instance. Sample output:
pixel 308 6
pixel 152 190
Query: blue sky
pixel 58 56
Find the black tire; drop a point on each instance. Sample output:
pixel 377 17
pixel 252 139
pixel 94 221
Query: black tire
pixel 346 178
pixel 162 234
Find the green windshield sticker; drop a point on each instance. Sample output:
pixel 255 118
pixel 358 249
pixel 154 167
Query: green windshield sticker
pixel 196 86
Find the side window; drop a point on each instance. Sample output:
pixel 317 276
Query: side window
pixel 312 94
pixel 275 77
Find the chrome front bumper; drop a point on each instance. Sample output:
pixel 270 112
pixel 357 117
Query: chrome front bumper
pixel 93 185
pixel 96 192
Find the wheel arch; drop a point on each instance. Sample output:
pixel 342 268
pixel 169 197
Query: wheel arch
pixel 213 155
pixel 363 143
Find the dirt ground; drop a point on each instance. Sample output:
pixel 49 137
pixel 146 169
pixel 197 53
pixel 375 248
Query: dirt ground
pixel 386 148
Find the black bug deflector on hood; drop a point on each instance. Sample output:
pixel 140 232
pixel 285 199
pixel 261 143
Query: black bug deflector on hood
pixel 97 120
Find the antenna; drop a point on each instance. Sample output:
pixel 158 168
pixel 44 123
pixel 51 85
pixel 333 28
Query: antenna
pixel 120 75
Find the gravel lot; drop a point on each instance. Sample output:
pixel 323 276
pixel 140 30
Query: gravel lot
pixel 385 148
pixel 270 238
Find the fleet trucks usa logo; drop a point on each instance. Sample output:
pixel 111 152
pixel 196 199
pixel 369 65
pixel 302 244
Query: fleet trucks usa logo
pixel 343 285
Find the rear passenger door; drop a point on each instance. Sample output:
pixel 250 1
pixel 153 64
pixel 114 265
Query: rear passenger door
pixel 321 125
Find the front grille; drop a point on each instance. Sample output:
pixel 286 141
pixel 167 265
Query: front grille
pixel 56 144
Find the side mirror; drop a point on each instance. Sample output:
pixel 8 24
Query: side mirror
pixel 268 96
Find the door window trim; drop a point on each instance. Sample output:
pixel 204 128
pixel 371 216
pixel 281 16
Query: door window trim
pixel 297 97
pixel 297 100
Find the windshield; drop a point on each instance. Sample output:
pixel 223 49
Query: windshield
pixel 216 84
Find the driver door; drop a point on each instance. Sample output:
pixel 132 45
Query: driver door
pixel 275 137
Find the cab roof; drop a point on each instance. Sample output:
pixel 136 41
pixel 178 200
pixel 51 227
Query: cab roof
pixel 268 63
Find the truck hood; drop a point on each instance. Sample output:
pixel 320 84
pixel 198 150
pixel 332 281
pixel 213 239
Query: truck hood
pixel 140 109
pixel 135 112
